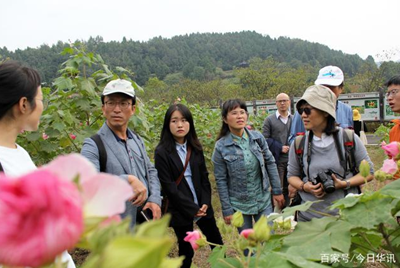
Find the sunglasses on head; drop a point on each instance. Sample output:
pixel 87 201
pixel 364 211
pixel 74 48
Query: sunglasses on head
pixel 306 110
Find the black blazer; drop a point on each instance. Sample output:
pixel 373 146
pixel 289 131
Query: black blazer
pixel 181 204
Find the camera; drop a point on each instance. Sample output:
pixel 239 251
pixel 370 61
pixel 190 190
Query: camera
pixel 325 178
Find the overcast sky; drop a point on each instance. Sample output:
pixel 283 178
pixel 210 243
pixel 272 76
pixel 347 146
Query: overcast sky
pixel 365 28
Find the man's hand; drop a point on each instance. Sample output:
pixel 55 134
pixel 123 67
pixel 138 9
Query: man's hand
pixel 279 200
pixel 285 149
pixel 155 210
pixel 139 190
pixel 202 211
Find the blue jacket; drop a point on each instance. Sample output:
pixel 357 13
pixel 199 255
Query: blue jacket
pixel 118 163
pixel 230 171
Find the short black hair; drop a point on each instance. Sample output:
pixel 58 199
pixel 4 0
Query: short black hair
pixel 228 106
pixel 395 80
pixel 16 82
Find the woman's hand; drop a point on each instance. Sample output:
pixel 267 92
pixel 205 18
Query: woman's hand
pixel 228 219
pixel 202 211
pixel 316 190
pixel 339 184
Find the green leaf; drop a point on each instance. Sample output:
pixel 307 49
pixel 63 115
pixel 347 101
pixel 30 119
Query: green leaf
pixel 392 189
pixel 216 254
pixel 370 211
pixel 33 136
pixel 58 126
pixel 289 211
pixel 154 229
pixel 63 83
pixel 127 252
pixel 347 202
pixel 319 236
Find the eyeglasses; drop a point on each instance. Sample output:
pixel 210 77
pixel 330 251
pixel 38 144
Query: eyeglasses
pixel 282 101
pixel 236 113
pixel 123 104
pixel 392 92
pixel 306 110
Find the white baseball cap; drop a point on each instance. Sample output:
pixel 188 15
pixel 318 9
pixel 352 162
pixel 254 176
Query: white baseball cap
pixel 119 86
pixel 330 76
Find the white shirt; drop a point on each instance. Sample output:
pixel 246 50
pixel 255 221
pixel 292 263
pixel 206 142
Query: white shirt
pixel 282 118
pixel 324 141
pixel 15 161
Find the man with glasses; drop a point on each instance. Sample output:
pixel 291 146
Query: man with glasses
pixel 125 151
pixel 276 131
pixel 393 99
pixel 333 78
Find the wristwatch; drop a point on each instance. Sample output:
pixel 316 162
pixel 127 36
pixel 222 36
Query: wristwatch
pixel 347 184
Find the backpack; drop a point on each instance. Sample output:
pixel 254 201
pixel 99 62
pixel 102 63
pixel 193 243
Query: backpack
pixel 102 152
pixel 349 161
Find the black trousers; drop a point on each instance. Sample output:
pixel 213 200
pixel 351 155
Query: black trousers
pixel 208 227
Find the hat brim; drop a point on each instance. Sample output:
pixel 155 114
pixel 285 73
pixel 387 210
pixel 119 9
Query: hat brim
pixel 314 104
pixel 119 91
pixel 328 82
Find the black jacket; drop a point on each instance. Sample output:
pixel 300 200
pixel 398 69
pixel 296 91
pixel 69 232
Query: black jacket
pixel 181 204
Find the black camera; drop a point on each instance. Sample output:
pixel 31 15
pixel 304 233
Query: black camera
pixel 325 178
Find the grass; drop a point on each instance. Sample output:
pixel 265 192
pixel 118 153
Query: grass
pixel 200 259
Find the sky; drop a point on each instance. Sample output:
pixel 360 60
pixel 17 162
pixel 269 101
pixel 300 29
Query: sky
pixel 353 26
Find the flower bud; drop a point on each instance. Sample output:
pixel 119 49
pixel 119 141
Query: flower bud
pixel 237 219
pixel 380 175
pixel 72 136
pixel 262 230
pixel 364 168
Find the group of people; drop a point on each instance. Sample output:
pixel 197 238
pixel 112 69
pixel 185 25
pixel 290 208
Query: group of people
pixel 254 172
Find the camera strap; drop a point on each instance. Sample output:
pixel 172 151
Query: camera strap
pixel 339 151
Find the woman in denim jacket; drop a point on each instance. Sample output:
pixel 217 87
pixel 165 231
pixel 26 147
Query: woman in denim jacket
pixel 244 168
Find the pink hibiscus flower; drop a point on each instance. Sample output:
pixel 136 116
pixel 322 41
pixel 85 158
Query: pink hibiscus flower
pixel 41 218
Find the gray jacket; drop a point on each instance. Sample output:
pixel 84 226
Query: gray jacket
pixel 118 163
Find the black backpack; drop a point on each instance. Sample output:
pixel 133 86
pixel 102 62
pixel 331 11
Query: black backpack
pixel 102 152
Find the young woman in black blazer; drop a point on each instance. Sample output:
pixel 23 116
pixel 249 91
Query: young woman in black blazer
pixel 190 201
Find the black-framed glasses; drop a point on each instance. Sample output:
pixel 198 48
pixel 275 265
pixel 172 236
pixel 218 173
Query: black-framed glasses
pixel 306 110
pixel 112 104
pixel 392 92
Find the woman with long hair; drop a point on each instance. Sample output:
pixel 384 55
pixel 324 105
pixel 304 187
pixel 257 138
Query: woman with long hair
pixel 183 174
pixel 21 105
pixel 244 168
pixel 322 176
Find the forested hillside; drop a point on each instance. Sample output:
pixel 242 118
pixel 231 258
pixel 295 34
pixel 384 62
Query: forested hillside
pixel 198 56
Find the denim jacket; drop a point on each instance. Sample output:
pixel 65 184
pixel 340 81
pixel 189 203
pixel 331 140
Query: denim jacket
pixel 230 171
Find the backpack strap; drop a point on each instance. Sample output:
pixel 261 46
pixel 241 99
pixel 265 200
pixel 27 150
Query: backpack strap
pixel 102 152
pixel 350 148
pixel 299 150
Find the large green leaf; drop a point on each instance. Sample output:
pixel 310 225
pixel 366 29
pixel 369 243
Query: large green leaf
pixel 63 83
pixel 392 189
pixel 154 229
pixel 127 252
pixel 370 211
pixel 319 236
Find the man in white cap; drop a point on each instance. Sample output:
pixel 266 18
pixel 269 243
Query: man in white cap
pixel 118 150
pixel 331 77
